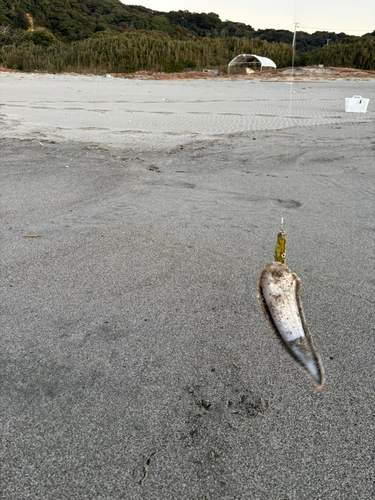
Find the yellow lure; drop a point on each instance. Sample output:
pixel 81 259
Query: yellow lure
pixel 280 250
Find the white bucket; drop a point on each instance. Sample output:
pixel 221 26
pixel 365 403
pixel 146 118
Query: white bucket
pixel 356 104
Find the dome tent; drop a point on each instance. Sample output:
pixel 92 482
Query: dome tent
pixel 243 59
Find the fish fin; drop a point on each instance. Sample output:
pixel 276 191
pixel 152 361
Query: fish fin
pixel 309 339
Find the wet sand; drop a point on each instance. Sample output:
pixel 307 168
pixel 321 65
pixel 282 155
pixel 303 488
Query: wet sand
pixel 136 362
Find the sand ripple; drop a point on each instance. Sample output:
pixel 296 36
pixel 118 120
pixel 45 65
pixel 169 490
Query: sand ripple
pixel 162 114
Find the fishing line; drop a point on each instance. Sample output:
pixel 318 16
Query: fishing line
pixel 334 30
pixel 291 91
pixel 278 292
pixel 281 233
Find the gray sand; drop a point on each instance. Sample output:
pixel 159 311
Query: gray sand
pixel 154 115
pixel 136 362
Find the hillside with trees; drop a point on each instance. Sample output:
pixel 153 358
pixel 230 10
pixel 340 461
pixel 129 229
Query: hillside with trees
pixel 51 34
pixel 72 20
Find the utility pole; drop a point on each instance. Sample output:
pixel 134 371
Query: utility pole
pixel 328 40
pixel 294 42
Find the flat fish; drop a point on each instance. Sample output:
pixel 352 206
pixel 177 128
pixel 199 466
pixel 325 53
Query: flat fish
pixel 279 298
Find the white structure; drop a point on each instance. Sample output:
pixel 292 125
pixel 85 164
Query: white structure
pixel 243 59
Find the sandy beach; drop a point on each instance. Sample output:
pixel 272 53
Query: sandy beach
pixel 154 115
pixel 135 361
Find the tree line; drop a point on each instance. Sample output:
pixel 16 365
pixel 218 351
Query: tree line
pixel 74 20
pixel 358 54
pixel 137 50
pixel 108 36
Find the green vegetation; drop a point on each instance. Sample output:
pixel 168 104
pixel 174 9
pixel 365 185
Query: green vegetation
pixel 305 43
pixel 137 50
pixel 108 36
pixel 351 53
pixel 13 14
pixel 72 20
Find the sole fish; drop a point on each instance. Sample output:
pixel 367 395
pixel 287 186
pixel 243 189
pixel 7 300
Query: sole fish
pixel 279 298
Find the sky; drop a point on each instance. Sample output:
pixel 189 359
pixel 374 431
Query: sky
pixel 348 16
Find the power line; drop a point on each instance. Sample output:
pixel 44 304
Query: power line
pixel 333 30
